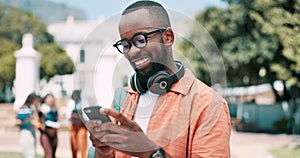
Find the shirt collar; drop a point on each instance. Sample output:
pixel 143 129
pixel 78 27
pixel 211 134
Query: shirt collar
pixel 130 90
pixel 184 84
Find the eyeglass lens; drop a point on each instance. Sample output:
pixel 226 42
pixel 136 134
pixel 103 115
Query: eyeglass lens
pixel 138 41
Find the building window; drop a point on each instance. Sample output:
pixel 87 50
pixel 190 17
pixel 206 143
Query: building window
pixel 82 56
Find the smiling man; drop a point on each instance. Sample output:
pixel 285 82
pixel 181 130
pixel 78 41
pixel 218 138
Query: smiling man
pixel 167 111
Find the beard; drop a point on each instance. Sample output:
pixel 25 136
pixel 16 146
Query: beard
pixel 143 78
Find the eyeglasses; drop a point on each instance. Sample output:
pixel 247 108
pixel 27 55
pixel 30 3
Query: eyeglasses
pixel 139 40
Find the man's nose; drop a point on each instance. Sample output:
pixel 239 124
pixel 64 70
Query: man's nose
pixel 134 51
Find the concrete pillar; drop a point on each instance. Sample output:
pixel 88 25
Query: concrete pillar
pixel 27 71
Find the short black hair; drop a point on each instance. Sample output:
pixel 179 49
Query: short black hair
pixel 155 9
pixel 76 93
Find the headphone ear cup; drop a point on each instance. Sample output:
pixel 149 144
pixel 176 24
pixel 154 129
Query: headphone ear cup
pixel 133 81
pixel 136 85
pixel 158 83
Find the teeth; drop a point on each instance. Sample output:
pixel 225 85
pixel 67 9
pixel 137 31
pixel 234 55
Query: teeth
pixel 140 62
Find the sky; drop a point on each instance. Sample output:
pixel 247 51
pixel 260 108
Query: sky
pixel 106 8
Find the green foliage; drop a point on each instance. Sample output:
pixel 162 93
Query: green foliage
pixel 7 61
pixel 199 63
pixel 13 25
pixel 285 152
pixel 60 63
pixel 14 154
pixel 253 35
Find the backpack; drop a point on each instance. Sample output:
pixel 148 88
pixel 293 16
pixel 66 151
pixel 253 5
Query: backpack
pixel 119 98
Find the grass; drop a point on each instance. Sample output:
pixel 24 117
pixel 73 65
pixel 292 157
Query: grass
pixel 13 155
pixel 285 152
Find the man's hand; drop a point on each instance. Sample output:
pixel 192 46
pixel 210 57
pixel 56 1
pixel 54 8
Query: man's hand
pixel 102 150
pixel 125 136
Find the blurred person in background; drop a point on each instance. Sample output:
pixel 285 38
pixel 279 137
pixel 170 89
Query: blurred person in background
pixel 78 131
pixel 49 116
pixel 28 120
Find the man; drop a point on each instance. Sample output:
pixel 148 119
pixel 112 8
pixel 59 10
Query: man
pixel 78 131
pixel 167 111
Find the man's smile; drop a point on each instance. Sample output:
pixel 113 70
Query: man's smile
pixel 142 63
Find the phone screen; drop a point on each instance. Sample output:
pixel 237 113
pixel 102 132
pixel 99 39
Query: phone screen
pixel 93 113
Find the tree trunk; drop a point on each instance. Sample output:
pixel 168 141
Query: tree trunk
pixel 286 94
pixel 277 97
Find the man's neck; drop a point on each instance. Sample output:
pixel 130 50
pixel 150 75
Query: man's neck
pixel 171 68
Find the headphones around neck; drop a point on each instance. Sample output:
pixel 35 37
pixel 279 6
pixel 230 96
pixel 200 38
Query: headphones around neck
pixel 159 83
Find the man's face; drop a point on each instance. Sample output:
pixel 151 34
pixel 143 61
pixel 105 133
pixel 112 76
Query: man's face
pixel 150 59
pixel 75 97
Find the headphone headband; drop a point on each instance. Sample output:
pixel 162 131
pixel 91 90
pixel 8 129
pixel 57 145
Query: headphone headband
pixel 176 76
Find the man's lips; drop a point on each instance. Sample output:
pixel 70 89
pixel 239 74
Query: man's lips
pixel 141 63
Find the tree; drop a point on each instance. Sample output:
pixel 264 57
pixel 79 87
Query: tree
pixel 7 61
pixel 14 23
pixel 259 39
pixel 60 62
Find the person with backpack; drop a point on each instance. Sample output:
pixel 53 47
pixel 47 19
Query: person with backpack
pixel 27 120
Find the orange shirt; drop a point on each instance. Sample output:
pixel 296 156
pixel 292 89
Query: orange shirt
pixel 190 120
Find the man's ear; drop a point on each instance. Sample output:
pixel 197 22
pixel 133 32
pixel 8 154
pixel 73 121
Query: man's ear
pixel 168 37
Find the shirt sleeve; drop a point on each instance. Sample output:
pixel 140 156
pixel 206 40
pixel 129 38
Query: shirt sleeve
pixel 212 133
pixel 84 103
pixel 69 108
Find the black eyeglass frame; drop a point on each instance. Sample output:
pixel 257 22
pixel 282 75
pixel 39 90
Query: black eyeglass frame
pixel 130 41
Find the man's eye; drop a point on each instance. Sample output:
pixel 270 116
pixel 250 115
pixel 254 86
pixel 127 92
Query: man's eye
pixel 141 40
pixel 126 45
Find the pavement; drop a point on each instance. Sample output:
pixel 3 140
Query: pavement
pixel 9 134
pixel 9 142
pixel 243 145
pixel 257 145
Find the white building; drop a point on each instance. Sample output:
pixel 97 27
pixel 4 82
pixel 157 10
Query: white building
pixel 89 44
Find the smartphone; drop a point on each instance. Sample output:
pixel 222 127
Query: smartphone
pixel 93 113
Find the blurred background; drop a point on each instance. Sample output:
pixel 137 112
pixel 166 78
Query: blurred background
pixel 259 43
